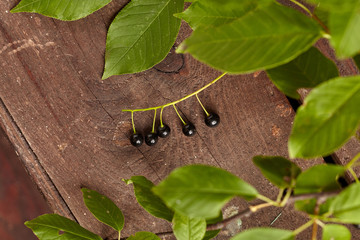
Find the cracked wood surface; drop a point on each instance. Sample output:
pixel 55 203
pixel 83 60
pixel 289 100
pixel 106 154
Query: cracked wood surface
pixel 67 125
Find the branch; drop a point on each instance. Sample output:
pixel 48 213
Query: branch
pixel 321 198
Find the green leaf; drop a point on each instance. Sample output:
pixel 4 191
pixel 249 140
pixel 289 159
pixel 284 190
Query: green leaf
pixel 335 232
pixel 141 36
pixel 201 191
pixel 216 13
pixel 103 209
pixel 264 233
pixel 213 233
pixel 335 5
pixel 357 60
pixel 329 117
pixel 148 200
pixel 346 206
pixel 217 219
pixel 53 226
pixel 61 9
pixel 345 31
pixel 188 228
pixel 306 71
pixel 143 236
pixel 278 170
pixel 319 178
pixel 322 15
pixel 309 205
pixel 265 37
pixel 344 20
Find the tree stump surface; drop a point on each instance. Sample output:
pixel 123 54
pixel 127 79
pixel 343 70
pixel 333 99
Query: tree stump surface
pixel 69 130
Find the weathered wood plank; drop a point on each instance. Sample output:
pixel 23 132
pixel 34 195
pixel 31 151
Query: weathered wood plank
pixel 68 127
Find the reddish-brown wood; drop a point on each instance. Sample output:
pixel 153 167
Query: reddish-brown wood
pixel 68 127
pixel 19 199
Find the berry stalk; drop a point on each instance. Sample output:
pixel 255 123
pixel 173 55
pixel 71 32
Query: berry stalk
pixel 154 121
pixel 132 122
pixel 206 112
pixel 177 101
pixel 182 120
pixel 161 122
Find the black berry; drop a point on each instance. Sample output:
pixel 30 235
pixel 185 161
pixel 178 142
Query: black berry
pixel 212 120
pixel 151 139
pixel 163 131
pixel 136 139
pixel 189 129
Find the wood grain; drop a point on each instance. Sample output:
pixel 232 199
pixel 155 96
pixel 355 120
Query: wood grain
pixel 68 127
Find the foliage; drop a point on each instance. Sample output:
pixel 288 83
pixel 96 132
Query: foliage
pixel 236 37
pixel 342 207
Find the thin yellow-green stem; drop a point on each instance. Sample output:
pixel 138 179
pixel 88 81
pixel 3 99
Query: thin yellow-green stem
pixel 161 122
pixel 286 198
pixel 182 120
pixel 320 223
pixel 357 135
pixel 177 101
pixel 303 227
pixel 302 6
pixel 132 122
pixel 356 164
pixel 354 175
pixel 119 237
pixel 260 206
pixel 281 192
pixel 351 163
pixel 154 121
pixel 266 199
pixel 206 112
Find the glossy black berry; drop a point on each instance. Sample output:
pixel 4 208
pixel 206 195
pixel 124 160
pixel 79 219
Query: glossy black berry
pixel 136 139
pixel 189 129
pixel 163 131
pixel 151 139
pixel 212 120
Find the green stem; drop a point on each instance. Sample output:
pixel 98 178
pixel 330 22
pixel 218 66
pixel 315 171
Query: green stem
pixel 303 227
pixel 351 163
pixel 356 165
pixel 260 206
pixel 354 175
pixel 182 120
pixel 266 199
pixel 161 122
pixel 153 127
pixel 286 198
pixel 302 6
pixel 177 101
pixel 206 112
pixel 132 122
pixel 357 135
pixel 320 223
pixel 327 219
pixel 119 236
pixel 281 192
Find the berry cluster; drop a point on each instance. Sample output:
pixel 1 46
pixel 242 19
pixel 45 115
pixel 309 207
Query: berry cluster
pixel 163 130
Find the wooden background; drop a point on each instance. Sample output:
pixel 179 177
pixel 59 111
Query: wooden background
pixel 19 198
pixel 69 130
